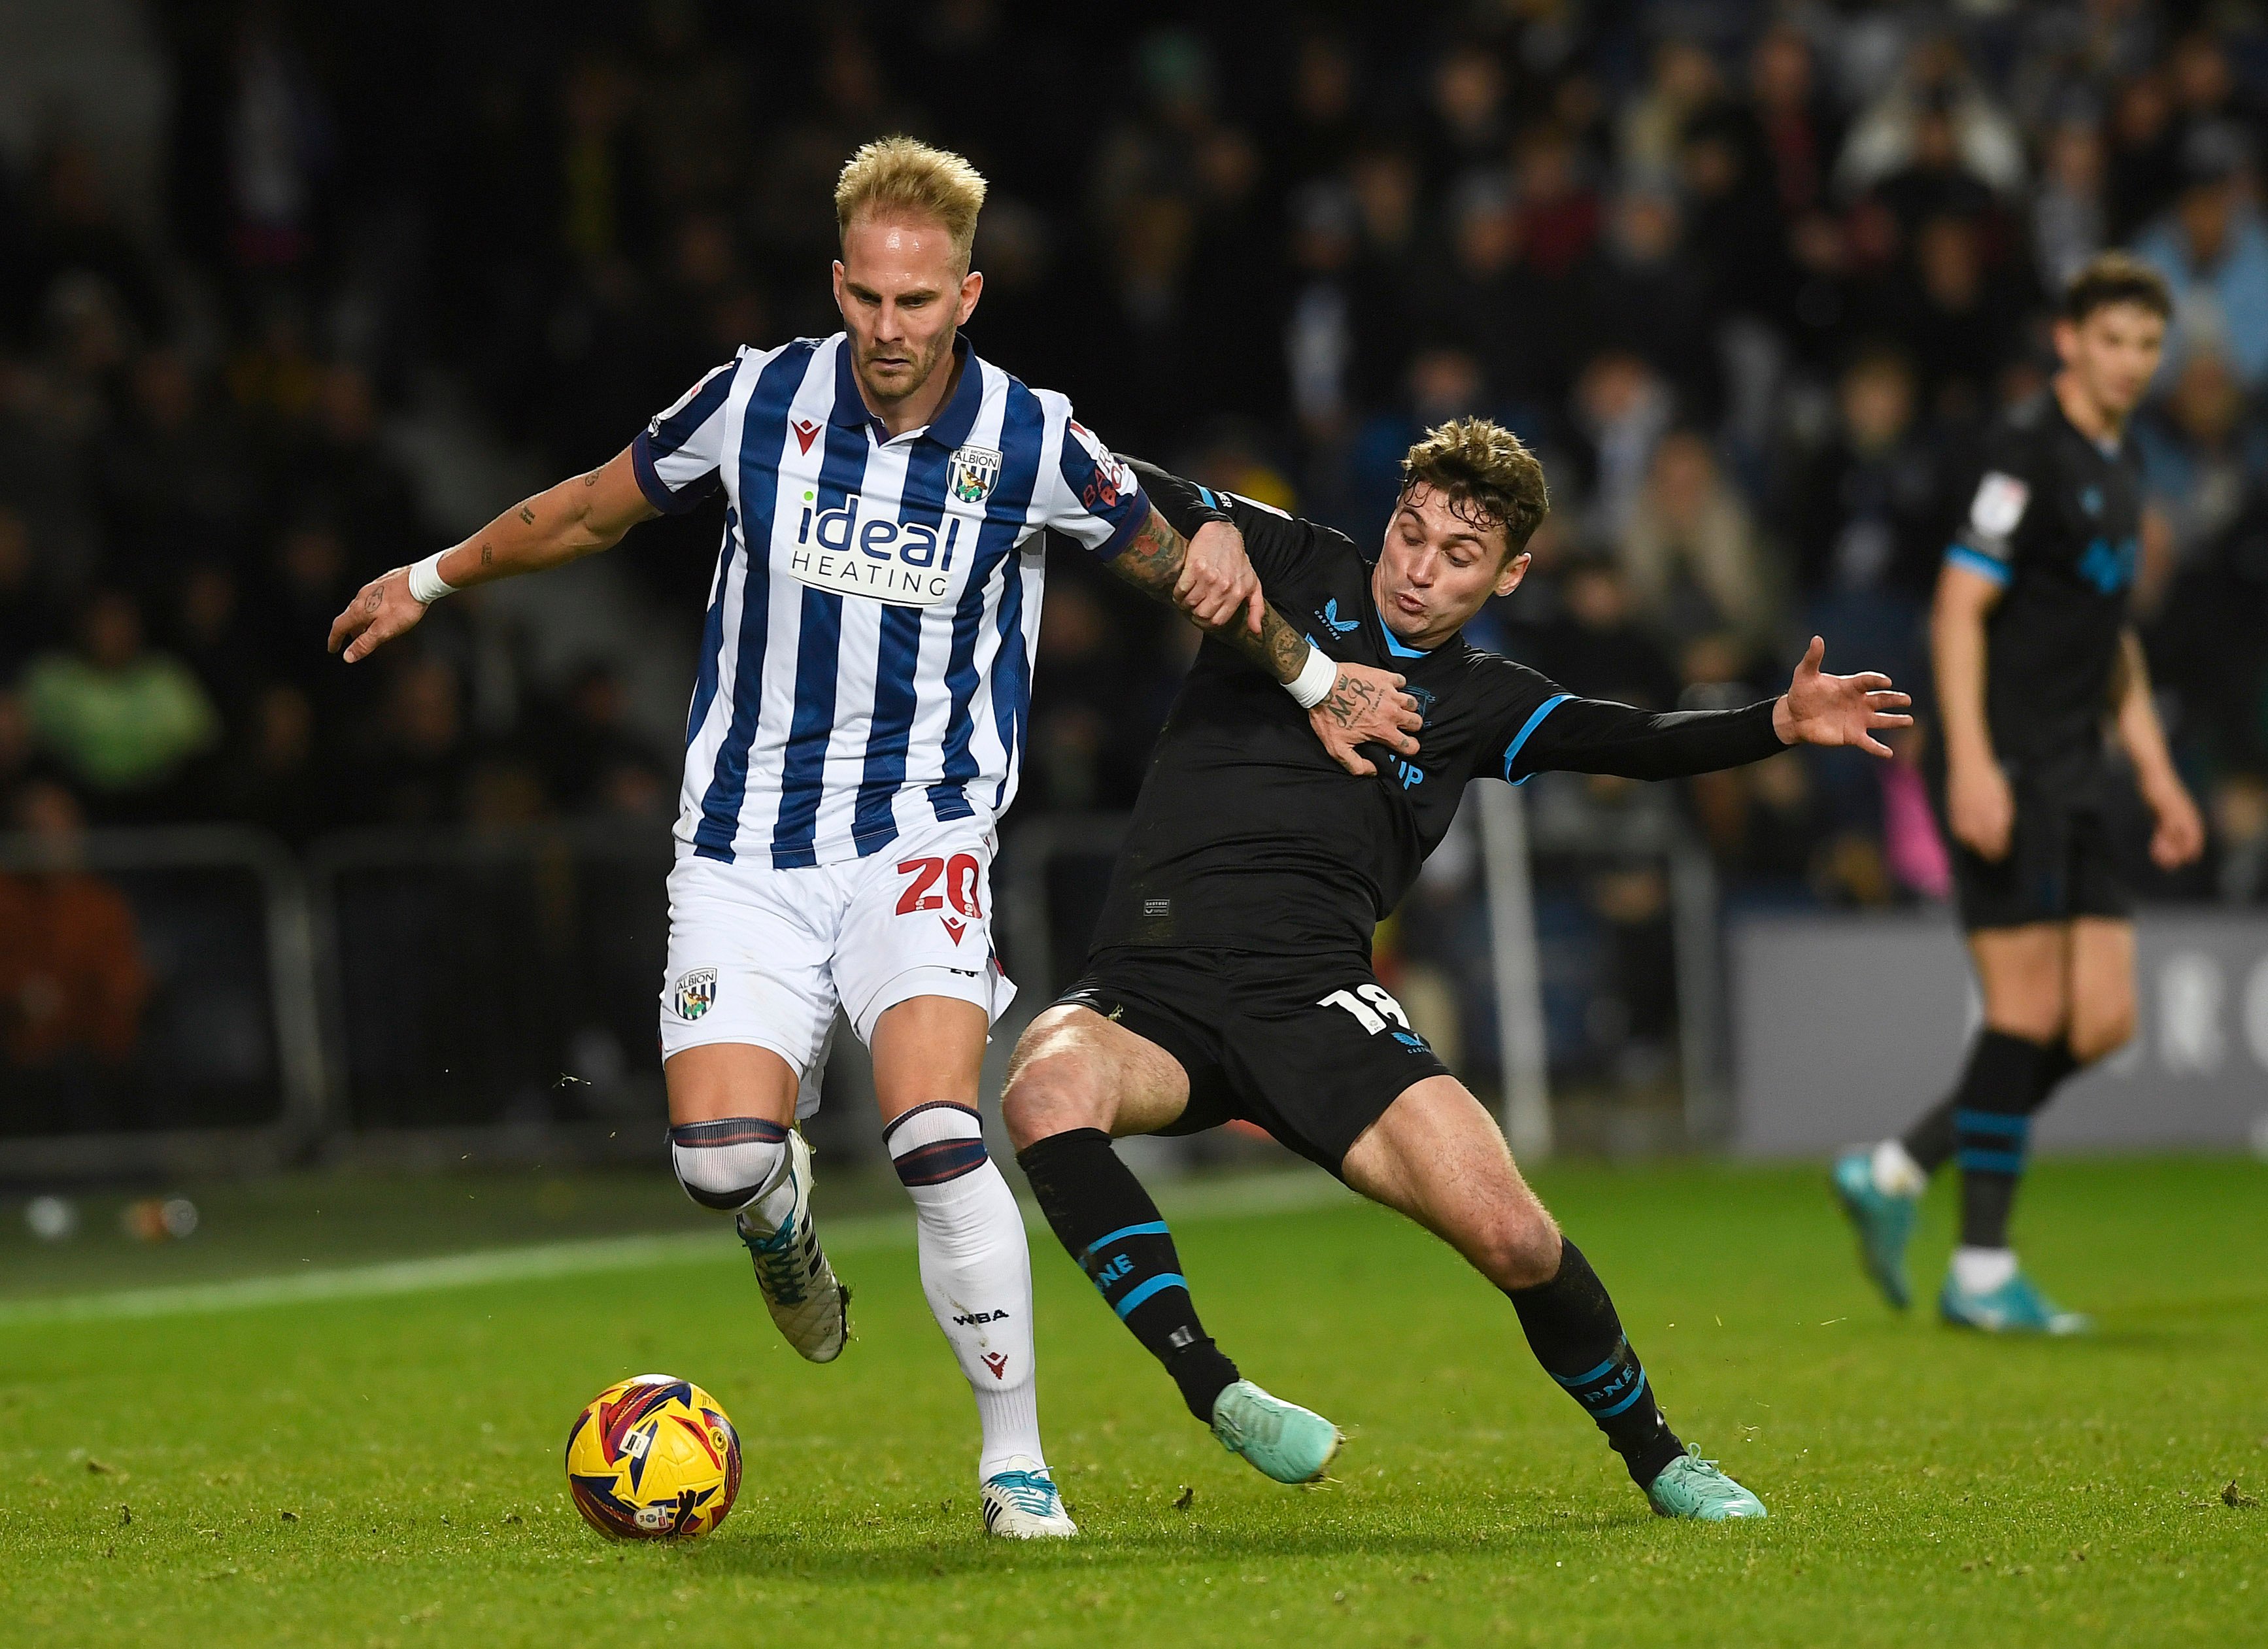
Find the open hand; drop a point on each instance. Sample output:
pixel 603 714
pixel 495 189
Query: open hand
pixel 1217 579
pixel 1837 709
pixel 2180 835
pixel 1365 706
pixel 381 611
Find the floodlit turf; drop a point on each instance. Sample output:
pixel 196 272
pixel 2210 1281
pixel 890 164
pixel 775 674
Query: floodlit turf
pixel 385 1470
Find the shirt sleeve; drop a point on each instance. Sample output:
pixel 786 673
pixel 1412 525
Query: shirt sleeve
pixel 1092 496
pixel 1589 735
pixel 1275 542
pixel 1985 542
pixel 677 456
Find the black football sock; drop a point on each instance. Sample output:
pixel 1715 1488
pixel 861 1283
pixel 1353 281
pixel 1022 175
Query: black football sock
pixel 1992 1127
pixel 2054 1068
pixel 1929 1142
pixel 1573 1329
pixel 1102 1216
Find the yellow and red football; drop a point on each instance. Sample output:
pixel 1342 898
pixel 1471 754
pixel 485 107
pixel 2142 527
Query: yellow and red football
pixel 654 1458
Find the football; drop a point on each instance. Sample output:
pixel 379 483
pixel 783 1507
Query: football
pixel 654 1458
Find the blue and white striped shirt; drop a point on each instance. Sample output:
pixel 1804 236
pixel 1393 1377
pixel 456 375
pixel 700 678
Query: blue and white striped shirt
pixel 866 662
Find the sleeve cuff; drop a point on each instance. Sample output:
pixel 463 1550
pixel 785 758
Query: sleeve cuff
pixel 658 491
pixel 1977 562
pixel 1512 750
pixel 1135 518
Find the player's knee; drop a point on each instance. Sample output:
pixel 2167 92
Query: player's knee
pixel 1052 1088
pixel 2101 1030
pixel 1518 1245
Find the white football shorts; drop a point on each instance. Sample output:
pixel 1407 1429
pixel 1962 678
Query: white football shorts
pixel 765 956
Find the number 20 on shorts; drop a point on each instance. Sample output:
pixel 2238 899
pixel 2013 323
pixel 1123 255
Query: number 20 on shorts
pixel 960 874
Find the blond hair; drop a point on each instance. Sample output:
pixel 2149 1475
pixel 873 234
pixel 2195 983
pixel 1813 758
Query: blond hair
pixel 1489 476
pixel 894 175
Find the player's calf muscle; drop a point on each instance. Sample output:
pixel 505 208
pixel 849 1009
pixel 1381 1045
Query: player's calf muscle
pixel 1056 1081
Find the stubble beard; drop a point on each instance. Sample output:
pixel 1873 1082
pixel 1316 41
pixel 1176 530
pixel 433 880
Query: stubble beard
pixel 925 368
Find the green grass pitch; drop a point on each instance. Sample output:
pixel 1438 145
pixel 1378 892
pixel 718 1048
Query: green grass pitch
pixel 386 1470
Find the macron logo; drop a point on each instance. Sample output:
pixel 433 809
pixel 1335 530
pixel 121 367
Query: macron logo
pixel 806 431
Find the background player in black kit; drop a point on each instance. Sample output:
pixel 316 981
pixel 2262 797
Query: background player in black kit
pixel 2033 649
pixel 1231 975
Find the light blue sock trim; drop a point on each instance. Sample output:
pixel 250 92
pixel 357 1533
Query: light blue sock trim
pixel 1135 1296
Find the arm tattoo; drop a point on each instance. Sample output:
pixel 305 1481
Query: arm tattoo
pixel 527 515
pixel 1151 562
pixel 488 554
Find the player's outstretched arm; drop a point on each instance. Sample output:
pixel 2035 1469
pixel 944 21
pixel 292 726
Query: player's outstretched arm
pixel 579 516
pixel 1363 706
pixel 2180 834
pixel 1837 709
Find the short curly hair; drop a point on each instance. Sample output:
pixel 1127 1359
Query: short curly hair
pixel 903 174
pixel 1486 471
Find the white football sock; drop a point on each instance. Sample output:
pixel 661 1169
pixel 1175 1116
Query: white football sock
pixel 976 1270
pixel 1981 1270
pixel 1894 1171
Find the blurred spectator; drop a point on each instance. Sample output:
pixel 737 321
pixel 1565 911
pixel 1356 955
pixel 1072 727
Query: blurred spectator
pixel 1622 408
pixel 72 981
pixel 1864 514
pixel 2204 456
pixel 1691 553
pixel 2070 220
pixel 2213 252
pixel 1933 110
pixel 415 769
pixel 276 779
pixel 1648 298
pixel 123 719
pixel 1686 80
pixel 26 617
pixel 1596 648
pixel 591 760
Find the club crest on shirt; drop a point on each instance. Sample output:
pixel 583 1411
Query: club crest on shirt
pixel 971 473
pixel 695 990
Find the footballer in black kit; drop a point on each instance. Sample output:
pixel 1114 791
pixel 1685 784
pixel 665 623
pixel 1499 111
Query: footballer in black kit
pixel 2056 525
pixel 1231 974
pixel 1236 932
pixel 2033 653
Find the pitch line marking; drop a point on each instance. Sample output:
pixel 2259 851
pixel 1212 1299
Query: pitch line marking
pixel 1228 1199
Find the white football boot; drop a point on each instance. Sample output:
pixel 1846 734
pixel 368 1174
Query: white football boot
pixel 809 1306
pixel 1020 1503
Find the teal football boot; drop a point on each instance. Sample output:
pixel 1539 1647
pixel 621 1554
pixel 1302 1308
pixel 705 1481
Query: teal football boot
pixel 2014 1308
pixel 1284 1440
pixel 1692 1487
pixel 1884 1223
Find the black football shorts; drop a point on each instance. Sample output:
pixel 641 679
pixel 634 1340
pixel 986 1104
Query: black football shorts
pixel 1311 1049
pixel 2060 862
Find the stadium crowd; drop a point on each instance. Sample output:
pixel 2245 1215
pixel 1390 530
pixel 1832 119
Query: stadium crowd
pixel 1750 278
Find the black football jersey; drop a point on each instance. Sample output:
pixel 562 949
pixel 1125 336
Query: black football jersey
pixel 2056 521
pixel 1249 836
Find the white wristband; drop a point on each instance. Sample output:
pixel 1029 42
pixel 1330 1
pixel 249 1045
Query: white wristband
pixel 426 583
pixel 1316 679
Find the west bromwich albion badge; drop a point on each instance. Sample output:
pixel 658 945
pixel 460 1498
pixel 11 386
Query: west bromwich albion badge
pixel 971 473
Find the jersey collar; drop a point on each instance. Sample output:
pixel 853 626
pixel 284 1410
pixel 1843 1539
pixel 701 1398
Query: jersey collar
pixel 1394 645
pixel 951 426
